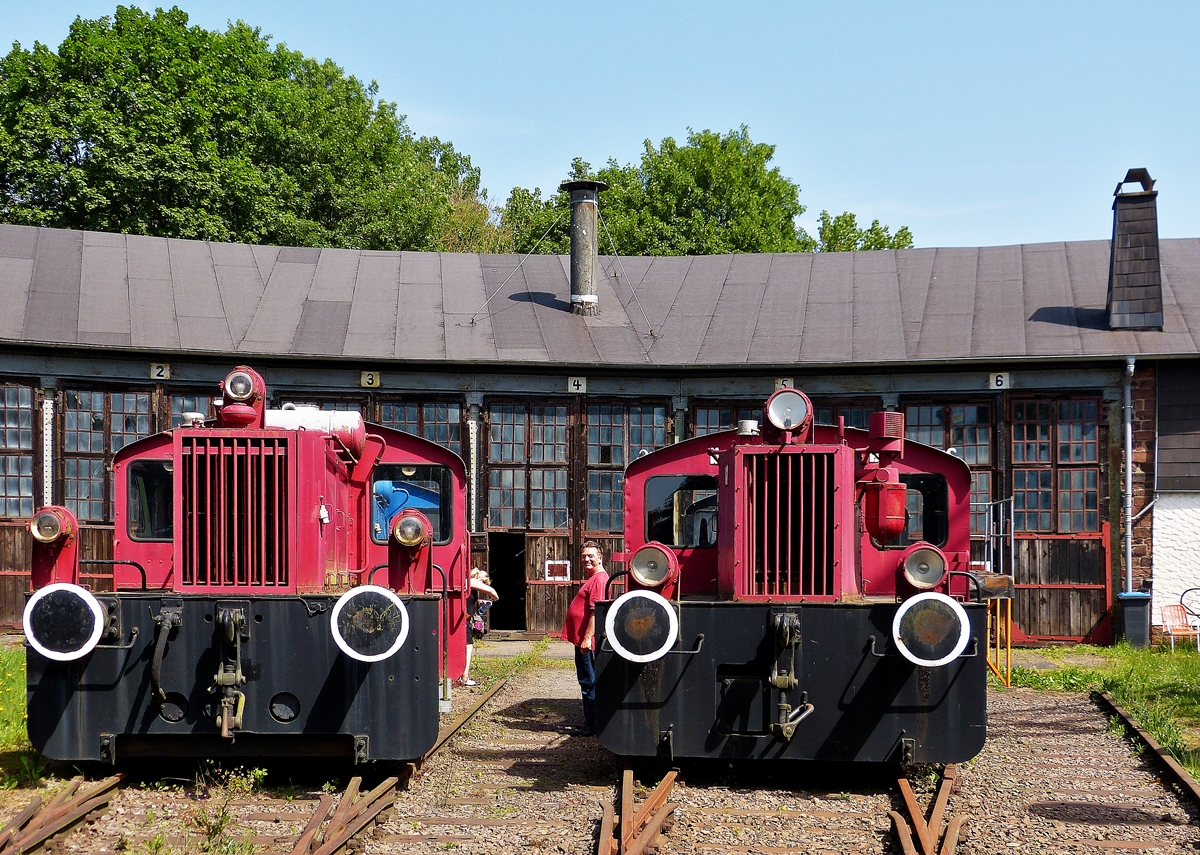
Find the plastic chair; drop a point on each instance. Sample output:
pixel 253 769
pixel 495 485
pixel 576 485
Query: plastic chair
pixel 1175 625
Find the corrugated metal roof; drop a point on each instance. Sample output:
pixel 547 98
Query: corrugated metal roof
pixel 942 305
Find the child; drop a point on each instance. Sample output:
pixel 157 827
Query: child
pixel 481 599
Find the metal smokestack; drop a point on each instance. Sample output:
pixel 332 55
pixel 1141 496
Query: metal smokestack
pixel 584 244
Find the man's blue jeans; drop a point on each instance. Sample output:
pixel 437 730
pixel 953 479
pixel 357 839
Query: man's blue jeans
pixel 585 670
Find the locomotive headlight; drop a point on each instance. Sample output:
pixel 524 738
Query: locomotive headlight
pixel 63 621
pixel 46 527
pixel 924 566
pixel 930 629
pixel 641 626
pixel 410 531
pixel 788 409
pixel 369 623
pixel 653 565
pixel 239 386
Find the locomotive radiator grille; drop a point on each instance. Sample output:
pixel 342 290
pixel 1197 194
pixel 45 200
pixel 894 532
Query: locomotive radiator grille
pixel 235 500
pixel 790 538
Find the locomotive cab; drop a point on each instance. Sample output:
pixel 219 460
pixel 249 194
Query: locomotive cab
pixel 796 591
pixel 284 583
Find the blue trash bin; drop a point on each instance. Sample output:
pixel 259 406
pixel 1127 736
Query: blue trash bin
pixel 1135 618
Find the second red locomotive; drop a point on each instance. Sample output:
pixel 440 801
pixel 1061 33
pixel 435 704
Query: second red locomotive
pixel 285 583
pixel 797 591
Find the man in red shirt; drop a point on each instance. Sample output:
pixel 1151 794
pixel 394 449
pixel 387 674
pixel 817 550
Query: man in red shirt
pixel 579 628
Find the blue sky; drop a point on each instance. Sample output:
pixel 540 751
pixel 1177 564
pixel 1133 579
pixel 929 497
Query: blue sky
pixel 974 124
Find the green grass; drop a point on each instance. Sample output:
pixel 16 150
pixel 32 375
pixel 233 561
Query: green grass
pixel 12 699
pixel 1159 689
pixel 488 669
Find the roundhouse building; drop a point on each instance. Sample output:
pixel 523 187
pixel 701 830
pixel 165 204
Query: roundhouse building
pixel 549 374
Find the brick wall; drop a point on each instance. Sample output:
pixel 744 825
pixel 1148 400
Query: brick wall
pixel 1143 473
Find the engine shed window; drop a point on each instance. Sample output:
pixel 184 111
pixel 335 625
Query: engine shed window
pixel 928 511
pixel 681 510
pixel 151 500
pixel 396 487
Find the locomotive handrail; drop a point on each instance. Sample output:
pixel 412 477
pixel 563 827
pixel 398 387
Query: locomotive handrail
pixel 608 585
pixel 699 645
pixel 111 561
pixel 133 637
pixel 371 573
pixel 973 578
pixel 445 604
pixel 974 650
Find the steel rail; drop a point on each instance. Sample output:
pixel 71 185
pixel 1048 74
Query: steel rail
pixel 1169 764
pixel 330 829
pixel 38 823
pixel 624 831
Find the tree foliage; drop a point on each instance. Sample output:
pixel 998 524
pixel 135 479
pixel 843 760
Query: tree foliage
pixel 142 123
pixel 714 194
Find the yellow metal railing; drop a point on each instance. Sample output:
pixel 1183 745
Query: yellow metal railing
pixel 999 633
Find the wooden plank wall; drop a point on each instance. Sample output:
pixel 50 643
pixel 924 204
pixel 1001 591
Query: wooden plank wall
pixel 546 602
pixel 1059 612
pixel 16 547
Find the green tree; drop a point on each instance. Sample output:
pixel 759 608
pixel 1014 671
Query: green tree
pixel 714 194
pixel 842 234
pixel 142 123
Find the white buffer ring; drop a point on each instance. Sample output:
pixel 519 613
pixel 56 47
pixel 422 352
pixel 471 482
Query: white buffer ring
pixel 610 624
pixel 97 625
pixel 964 629
pixel 353 594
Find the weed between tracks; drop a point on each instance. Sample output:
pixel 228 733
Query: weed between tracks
pixel 1160 689
pixel 488 669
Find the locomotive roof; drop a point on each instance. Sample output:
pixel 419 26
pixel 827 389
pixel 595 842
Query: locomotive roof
pixel 145 294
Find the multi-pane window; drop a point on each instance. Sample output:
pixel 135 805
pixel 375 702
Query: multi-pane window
pixel 95 426
pixel 706 420
pixel 16 451
pixel 506 498
pixel 1056 469
pixel 439 422
pixel 547 498
pixel 616 435
pixel 527 471
pixel 181 404
pixel 965 430
pixel 605 501
pixel 857 417
pixel 548 441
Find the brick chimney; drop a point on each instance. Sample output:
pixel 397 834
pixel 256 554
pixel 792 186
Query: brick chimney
pixel 584 244
pixel 1134 276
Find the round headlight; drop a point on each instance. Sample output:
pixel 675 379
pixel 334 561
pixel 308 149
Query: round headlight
pixel 369 623
pixel 63 621
pixel 46 527
pixel 931 629
pixel 788 409
pixel 410 531
pixel 641 626
pixel 652 565
pixel 924 566
pixel 239 386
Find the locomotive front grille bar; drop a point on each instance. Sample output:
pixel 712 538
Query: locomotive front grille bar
pixel 789 516
pixel 235 499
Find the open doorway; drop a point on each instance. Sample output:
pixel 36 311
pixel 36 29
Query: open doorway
pixel 506 565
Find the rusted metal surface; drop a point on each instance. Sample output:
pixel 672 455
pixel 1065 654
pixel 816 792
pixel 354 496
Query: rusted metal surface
pixel 1170 765
pixel 353 814
pixel 34 825
pixel 928 832
pixel 631 832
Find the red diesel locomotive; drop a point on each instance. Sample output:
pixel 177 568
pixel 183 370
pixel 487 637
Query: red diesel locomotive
pixel 800 591
pixel 285 583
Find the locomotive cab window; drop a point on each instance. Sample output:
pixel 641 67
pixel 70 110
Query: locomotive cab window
pixel 927 516
pixel 400 486
pixel 681 510
pixel 151 501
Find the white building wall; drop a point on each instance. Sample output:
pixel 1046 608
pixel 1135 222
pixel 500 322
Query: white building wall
pixel 1176 548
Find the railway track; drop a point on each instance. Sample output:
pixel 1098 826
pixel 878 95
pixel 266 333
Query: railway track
pixel 1056 776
